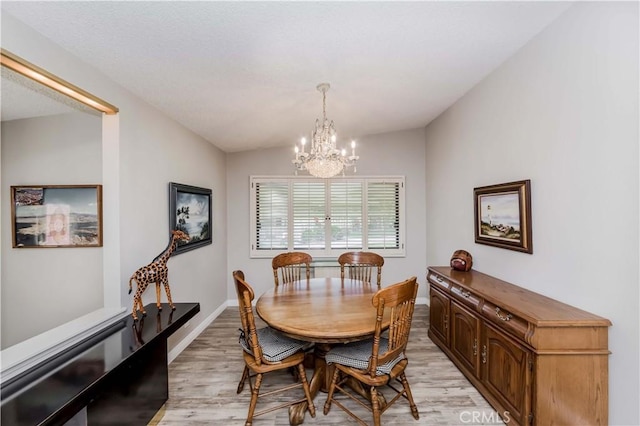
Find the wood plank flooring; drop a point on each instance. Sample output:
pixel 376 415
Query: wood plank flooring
pixel 204 377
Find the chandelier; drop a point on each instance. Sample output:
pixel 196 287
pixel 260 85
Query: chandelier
pixel 324 160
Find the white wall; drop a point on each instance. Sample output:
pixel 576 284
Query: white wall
pixel 397 153
pixel 562 112
pixel 148 151
pixel 153 155
pixel 62 149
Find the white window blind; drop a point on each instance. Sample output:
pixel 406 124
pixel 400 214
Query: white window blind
pixel 272 220
pixel 346 215
pixel 383 226
pixel 326 217
pixel 308 215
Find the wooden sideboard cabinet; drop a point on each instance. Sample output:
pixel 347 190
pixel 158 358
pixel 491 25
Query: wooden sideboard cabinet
pixel 536 360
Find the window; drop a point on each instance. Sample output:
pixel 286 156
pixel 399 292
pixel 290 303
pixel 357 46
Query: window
pixel 326 217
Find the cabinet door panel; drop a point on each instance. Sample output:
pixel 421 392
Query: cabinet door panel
pixel 439 316
pixel 505 372
pixel 465 337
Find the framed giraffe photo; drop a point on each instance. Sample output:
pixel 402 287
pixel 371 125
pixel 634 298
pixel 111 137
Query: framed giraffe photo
pixel 503 215
pixel 190 212
pixel 45 216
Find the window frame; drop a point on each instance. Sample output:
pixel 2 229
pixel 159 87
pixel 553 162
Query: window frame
pixel 326 252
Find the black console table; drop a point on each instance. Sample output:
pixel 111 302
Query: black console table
pixel 119 375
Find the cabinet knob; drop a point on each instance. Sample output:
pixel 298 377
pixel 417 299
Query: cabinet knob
pixel 484 354
pixel 475 347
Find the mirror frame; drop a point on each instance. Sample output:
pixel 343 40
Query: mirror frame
pixel 29 70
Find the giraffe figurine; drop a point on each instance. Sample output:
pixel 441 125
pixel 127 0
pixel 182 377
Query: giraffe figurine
pixel 155 272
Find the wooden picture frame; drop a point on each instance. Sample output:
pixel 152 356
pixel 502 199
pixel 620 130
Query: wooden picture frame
pixel 49 216
pixel 503 215
pixel 190 212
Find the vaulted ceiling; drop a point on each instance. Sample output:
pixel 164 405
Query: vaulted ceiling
pixel 243 74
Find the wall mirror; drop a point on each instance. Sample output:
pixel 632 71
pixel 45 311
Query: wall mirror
pixel 51 134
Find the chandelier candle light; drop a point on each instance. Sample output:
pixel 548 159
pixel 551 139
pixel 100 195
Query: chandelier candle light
pixel 324 160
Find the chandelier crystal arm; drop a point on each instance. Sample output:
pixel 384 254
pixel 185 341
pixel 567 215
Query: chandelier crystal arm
pixel 324 159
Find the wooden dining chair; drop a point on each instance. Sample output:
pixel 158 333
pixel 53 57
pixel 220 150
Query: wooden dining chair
pixel 378 363
pixel 290 265
pixel 360 265
pixel 265 350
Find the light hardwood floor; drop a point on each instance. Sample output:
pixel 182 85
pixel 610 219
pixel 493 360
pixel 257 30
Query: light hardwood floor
pixel 204 377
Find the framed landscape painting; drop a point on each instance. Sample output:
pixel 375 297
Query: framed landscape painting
pixel 503 215
pixel 190 212
pixel 56 216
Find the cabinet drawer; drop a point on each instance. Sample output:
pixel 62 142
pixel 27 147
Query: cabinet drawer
pixel 438 281
pixel 468 298
pixel 506 320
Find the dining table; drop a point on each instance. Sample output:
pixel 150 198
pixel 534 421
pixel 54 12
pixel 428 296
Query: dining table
pixel 325 311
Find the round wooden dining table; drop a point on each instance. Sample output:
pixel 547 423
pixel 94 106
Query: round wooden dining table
pixel 326 311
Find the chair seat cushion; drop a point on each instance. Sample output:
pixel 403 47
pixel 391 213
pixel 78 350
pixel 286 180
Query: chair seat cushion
pixel 275 345
pixel 357 355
